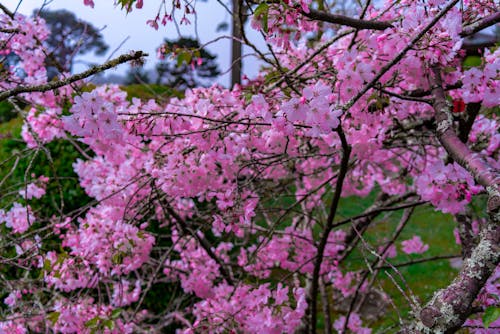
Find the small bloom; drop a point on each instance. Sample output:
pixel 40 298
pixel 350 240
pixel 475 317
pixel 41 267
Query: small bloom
pixel 414 246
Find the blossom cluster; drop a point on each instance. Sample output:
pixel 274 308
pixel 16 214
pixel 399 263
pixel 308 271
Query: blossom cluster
pixel 222 193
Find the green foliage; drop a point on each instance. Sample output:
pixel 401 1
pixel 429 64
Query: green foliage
pixel 126 3
pixel 181 69
pixel 472 61
pixel 55 162
pixel 70 36
pixel 261 13
pixel 53 317
pixel 151 91
pixel 7 112
pixel 491 314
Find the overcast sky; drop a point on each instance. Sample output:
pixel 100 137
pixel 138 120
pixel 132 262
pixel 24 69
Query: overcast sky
pixel 117 26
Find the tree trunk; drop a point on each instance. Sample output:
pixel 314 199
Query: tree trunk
pixel 236 63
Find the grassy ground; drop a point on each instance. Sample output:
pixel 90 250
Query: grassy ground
pixel 435 229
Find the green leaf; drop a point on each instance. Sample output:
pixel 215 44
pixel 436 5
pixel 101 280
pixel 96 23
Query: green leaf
pixel 110 324
pixel 116 313
pixel 57 274
pixel 261 12
pixel 472 61
pixel 491 314
pixel 372 97
pixel 261 8
pixel 53 317
pixel 125 3
pixel 184 57
pixel 47 265
pixel 117 258
pixel 92 323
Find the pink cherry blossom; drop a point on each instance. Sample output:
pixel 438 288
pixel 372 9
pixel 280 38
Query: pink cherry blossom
pixel 414 246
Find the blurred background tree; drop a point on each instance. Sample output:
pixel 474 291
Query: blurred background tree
pixel 192 67
pixel 70 37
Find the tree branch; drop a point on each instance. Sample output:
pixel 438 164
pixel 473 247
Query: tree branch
pixel 6 11
pixel 467 237
pixel 344 165
pixel 450 307
pixel 346 20
pixel 377 262
pixel 401 54
pixel 481 24
pixel 465 123
pixel 483 173
pixel 9 30
pixel 422 260
pixel 422 93
pixel 136 55
pixel 202 241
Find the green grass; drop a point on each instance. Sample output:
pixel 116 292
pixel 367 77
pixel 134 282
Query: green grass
pixel 435 229
pixel 150 91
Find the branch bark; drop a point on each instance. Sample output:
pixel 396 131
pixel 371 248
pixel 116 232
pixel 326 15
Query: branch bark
pixel 483 173
pixel 346 20
pixel 481 24
pixel 6 11
pixel 236 46
pixel 9 30
pixel 136 55
pixel 450 307
pixel 313 292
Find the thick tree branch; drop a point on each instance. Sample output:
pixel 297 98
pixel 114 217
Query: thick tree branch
pixel 9 30
pixel 484 174
pixel 361 24
pixel 466 122
pixel 422 92
pixel 450 307
pixel 346 20
pixel 467 237
pixel 313 293
pixel 481 24
pixel 6 11
pixel 136 55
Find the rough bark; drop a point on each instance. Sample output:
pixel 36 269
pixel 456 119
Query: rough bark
pixel 450 307
pixel 483 173
pixel 481 24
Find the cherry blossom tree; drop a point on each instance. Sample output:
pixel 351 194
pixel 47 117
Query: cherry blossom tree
pixel 221 212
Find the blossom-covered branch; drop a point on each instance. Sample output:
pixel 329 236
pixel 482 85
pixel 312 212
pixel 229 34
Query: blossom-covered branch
pixel 133 56
pixel 481 24
pixel 485 174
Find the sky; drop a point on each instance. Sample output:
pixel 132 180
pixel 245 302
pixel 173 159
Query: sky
pixel 125 32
